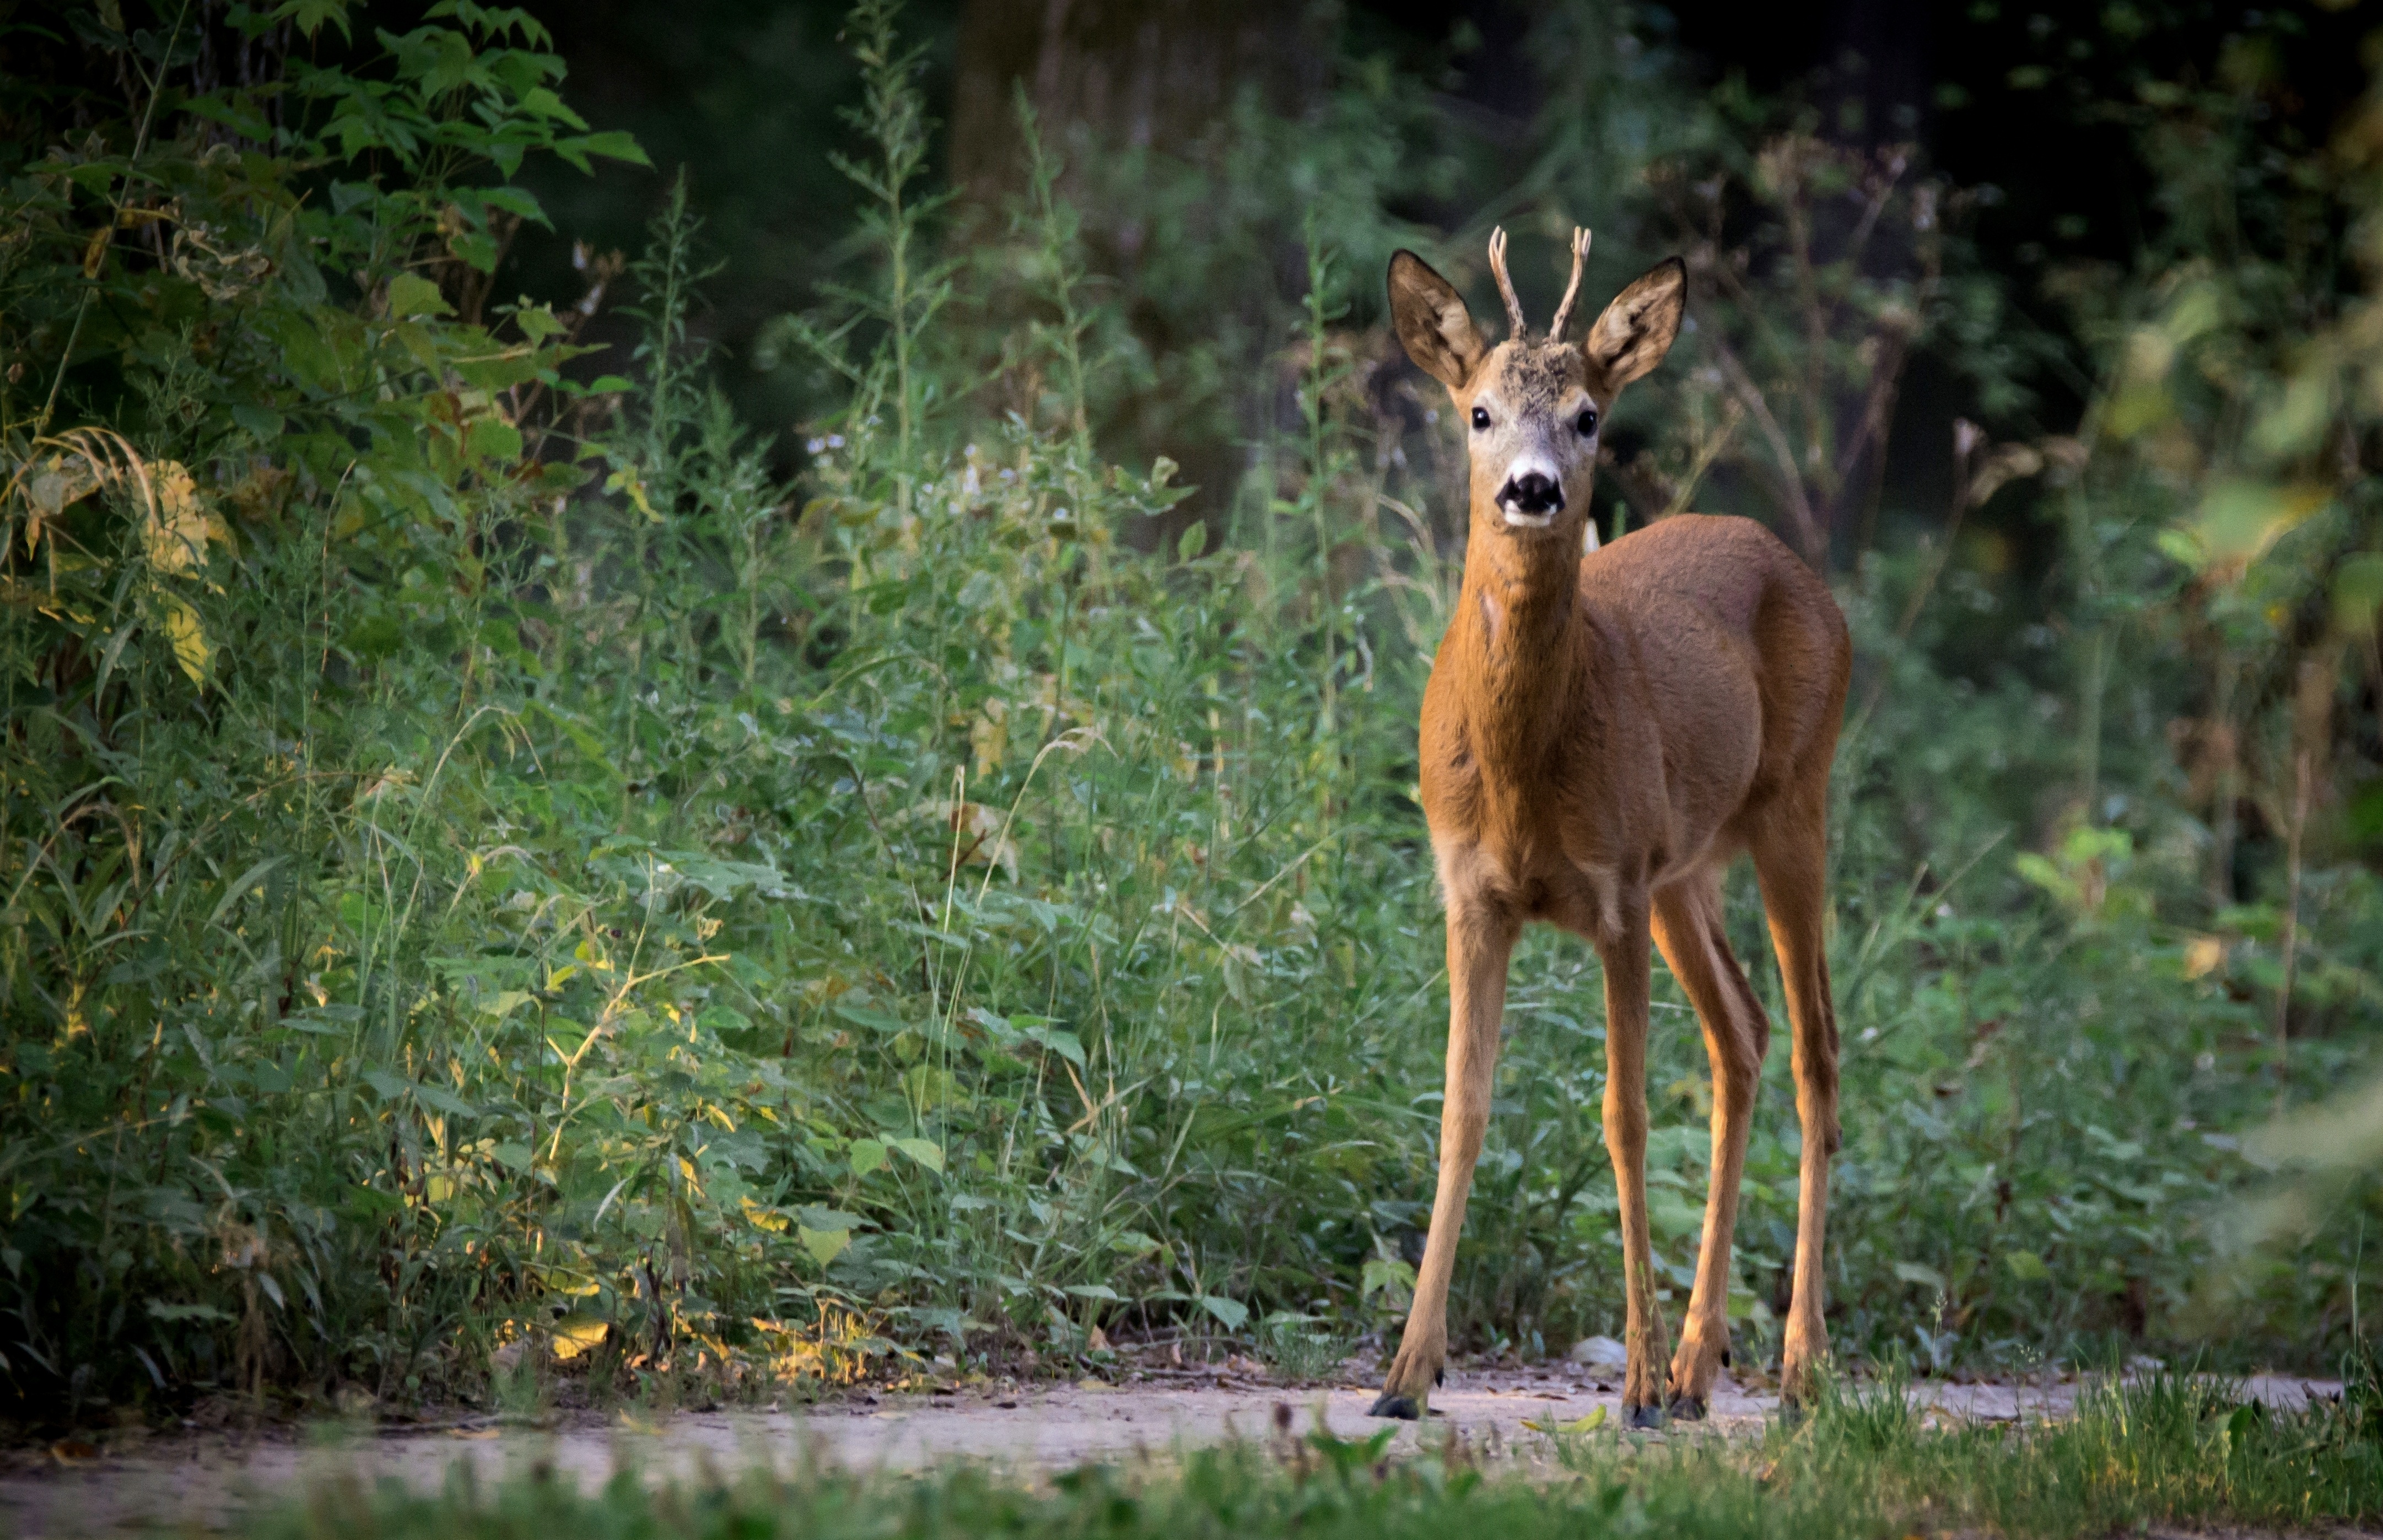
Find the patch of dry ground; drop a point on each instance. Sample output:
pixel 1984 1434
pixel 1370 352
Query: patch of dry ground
pixel 208 1480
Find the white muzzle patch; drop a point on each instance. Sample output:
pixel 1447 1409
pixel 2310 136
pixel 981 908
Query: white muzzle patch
pixel 1533 494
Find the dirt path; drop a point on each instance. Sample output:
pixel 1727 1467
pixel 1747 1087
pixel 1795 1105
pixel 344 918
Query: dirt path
pixel 208 1481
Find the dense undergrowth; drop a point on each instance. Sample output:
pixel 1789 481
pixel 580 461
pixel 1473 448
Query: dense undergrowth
pixel 2170 1451
pixel 487 863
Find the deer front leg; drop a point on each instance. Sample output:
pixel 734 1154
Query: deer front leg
pixel 1624 951
pixel 1479 942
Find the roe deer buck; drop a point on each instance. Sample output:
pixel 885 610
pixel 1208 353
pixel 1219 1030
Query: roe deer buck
pixel 1602 737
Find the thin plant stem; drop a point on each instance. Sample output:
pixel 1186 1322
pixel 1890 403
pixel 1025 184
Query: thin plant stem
pixel 114 212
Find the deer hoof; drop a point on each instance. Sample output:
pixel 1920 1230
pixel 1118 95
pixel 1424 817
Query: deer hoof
pixel 1687 1409
pixel 1647 1415
pixel 1389 1403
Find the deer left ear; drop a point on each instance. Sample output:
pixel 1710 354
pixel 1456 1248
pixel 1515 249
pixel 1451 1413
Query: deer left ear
pixel 1638 327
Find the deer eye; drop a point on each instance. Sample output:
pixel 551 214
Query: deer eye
pixel 1587 423
pixel 1480 419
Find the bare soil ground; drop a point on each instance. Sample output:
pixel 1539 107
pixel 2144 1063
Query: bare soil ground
pixel 206 1480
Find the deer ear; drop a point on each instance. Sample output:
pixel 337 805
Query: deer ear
pixel 1433 323
pixel 1638 328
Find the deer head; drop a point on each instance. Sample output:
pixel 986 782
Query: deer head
pixel 1532 408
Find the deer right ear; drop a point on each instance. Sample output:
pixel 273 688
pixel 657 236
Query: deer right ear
pixel 1433 323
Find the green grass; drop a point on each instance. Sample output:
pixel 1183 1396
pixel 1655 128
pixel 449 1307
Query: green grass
pixel 2170 1451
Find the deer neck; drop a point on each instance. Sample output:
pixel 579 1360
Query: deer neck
pixel 1524 647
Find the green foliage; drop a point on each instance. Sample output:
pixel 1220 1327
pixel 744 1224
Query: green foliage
pixel 492 877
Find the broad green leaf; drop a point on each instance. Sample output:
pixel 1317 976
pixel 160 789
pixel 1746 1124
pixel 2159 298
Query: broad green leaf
pixel 2239 520
pixel 370 1205
pixel 260 421
pixel 876 1022
pixel 1918 1273
pixel 1231 1312
pixel 867 1155
pixel 494 438
pixel 310 14
pixel 926 1152
pixel 539 101
pixel 442 1099
pixel 411 295
pixel 2026 1266
pixel 825 1246
pixel 474 250
pixel 515 199
pixel 2358 594
pixel 612 144
pixel 1060 1041
pixel 1674 1215
pixel 516 367
pixel 1391 1277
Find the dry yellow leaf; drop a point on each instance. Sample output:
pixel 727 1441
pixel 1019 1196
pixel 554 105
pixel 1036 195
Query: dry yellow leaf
pixel 179 525
pixel 191 649
pixel 578 1332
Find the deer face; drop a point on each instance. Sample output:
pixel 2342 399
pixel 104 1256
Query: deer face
pixel 1531 428
pixel 1533 410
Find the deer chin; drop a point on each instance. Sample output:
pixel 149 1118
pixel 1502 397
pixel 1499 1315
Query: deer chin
pixel 1517 519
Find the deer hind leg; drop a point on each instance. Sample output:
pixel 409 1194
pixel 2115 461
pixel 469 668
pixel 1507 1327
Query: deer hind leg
pixel 1624 951
pixel 1689 931
pixel 1790 860
pixel 1480 941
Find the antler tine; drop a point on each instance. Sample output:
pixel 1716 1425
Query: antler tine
pixel 1572 289
pixel 1516 326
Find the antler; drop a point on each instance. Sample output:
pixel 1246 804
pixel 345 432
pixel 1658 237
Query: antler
pixel 1514 323
pixel 1572 289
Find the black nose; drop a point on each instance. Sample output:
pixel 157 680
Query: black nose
pixel 1532 494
